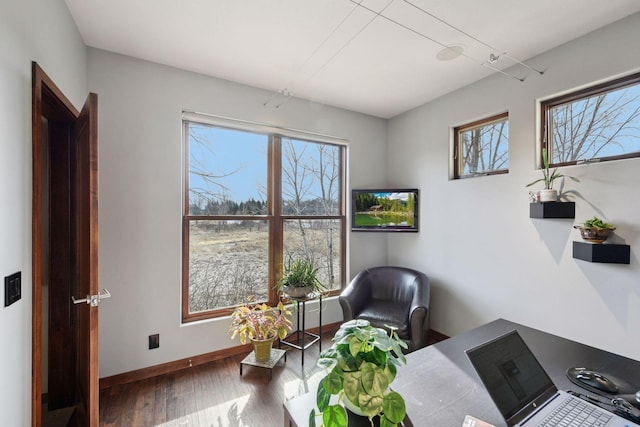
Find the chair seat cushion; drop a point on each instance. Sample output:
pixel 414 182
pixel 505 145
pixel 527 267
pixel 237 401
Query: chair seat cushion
pixel 380 313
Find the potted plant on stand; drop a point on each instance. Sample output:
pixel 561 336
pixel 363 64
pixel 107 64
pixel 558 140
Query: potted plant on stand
pixel 261 325
pixel 595 230
pixel 362 361
pixel 548 194
pixel 299 279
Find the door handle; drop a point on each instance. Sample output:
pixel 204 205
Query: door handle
pixel 93 300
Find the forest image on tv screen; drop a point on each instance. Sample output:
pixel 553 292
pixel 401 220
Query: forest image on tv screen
pixel 380 209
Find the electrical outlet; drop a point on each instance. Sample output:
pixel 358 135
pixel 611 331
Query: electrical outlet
pixel 12 288
pixel 154 341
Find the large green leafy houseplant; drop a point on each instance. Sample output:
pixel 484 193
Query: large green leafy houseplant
pixel 363 362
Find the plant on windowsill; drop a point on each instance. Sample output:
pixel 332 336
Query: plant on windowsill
pixel 548 194
pixel 261 325
pixel 595 230
pixel 299 279
pixel 363 363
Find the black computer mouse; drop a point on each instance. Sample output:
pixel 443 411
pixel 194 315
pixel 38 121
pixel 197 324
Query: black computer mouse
pixel 598 381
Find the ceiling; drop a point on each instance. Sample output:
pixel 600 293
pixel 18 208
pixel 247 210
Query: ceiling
pixel 378 57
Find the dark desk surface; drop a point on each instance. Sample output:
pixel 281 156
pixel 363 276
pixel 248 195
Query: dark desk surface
pixel 440 386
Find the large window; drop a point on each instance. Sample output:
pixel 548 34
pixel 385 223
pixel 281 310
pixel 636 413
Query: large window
pixel 253 200
pixel 481 147
pixel 598 123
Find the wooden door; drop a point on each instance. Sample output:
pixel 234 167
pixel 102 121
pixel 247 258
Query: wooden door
pixel 86 241
pixel 73 136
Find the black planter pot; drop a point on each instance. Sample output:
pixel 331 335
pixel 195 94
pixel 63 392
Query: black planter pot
pixel 356 420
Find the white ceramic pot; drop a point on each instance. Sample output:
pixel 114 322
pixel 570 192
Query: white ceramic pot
pixel 297 292
pixel 548 195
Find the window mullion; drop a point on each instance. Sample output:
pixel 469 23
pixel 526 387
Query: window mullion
pixel 275 209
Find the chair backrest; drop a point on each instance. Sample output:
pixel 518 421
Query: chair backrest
pixel 391 283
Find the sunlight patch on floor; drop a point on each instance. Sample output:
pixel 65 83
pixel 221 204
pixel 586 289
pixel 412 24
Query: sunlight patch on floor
pixel 226 414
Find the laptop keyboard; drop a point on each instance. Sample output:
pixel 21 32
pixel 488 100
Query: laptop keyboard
pixel 574 412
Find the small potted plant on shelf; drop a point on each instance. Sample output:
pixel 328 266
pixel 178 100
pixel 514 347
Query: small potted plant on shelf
pixel 261 325
pixel 362 364
pixel 548 194
pixel 595 230
pixel 299 279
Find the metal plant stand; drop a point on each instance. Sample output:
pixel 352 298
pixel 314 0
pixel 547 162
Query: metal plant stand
pixel 276 355
pixel 301 338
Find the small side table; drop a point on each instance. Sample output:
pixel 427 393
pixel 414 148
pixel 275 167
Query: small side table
pixel 302 339
pixel 276 355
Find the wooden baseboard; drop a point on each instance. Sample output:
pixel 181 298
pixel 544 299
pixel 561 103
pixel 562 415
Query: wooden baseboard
pixel 176 365
pixel 435 336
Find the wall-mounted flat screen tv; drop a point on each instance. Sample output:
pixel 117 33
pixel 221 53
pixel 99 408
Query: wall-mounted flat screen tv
pixel 393 209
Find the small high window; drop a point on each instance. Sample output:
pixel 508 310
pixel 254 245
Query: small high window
pixel 598 123
pixel 482 147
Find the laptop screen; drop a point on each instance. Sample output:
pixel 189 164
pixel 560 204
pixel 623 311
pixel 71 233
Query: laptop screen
pixel 512 375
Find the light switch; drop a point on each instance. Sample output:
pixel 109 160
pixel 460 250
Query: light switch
pixel 12 288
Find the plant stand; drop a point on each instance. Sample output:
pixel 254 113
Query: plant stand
pixel 301 339
pixel 276 355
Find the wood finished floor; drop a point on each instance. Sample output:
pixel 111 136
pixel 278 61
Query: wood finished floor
pixel 213 395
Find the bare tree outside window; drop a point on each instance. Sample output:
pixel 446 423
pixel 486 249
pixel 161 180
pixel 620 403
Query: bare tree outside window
pixel 310 196
pixel 232 231
pixel 600 123
pixel 482 147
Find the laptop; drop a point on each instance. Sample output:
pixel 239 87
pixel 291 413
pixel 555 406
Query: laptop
pixel 523 391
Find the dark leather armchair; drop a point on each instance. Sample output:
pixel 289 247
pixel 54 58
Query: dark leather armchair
pixel 394 296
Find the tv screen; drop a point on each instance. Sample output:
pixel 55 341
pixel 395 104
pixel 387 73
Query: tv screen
pixel 384 210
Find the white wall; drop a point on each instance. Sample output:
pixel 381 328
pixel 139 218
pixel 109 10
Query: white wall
pixel 487 259
pixel 140 173
pixel 40 30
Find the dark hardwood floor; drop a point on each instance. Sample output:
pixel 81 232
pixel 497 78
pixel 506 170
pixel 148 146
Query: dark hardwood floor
pixel 214 394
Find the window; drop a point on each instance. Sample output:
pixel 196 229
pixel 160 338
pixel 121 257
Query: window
pixel 251 201
pixel 598 123
pixel 482 147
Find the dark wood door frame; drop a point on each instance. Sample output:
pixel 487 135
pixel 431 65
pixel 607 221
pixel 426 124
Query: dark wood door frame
pixel 49 103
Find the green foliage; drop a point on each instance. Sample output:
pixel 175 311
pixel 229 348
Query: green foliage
pixel 364 202
pixel 362 364
pixel 597 223
pixel 259 322
pixel 549 176
pixel 300 273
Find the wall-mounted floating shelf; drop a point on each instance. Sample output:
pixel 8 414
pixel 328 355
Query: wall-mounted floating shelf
pixel 552 210
pixel 602 252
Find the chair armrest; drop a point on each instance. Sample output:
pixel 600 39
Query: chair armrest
pixel 419 312
pixel 354 297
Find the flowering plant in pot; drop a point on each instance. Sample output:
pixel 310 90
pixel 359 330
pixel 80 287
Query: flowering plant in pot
pixel 299 279
pixel 362 364
pixel 548 194
pixel 261 325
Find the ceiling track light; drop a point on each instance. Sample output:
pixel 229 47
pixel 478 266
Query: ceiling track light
pixel 492 57
pixel 284 92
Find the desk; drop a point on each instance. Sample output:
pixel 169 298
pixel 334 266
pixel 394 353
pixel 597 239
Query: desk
pixel 440 386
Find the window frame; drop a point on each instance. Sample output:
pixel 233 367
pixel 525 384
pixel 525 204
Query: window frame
pixel 458 166
pixel 548 104
pixel 274 216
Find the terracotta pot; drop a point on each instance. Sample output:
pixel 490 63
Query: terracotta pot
pixel 262 349
pixel 594 235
